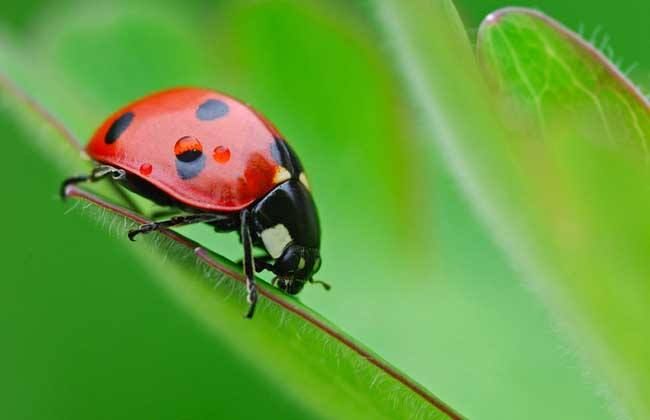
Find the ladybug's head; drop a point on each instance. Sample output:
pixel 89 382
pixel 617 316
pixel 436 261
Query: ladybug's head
pixel 296 266
pixel 286 224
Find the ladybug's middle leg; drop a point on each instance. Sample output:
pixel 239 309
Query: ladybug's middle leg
pixel 175 221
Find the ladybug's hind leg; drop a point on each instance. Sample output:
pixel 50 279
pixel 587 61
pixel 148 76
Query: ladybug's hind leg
pixel 98 172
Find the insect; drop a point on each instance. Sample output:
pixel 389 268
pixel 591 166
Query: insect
pixel 219 162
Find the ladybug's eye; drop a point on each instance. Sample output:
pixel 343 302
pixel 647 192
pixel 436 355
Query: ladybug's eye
pixel 188 149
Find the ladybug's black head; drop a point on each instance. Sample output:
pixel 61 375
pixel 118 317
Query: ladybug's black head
pixel 286 224
pixel 296 266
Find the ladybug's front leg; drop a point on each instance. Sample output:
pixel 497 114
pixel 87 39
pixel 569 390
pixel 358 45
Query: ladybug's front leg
pixel 249 263
pixel 263 263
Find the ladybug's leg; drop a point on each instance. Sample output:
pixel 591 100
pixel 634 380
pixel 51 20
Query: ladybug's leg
pixel 98 172
pixel 263 263
pixel 249 263
pixel 175 221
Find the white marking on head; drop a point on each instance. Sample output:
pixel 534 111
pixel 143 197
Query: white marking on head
pixel 301 263
pixel 281 175
pixel 276 239
pixel 303 179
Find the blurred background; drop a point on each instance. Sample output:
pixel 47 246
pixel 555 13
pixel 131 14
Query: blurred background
pixel 87 333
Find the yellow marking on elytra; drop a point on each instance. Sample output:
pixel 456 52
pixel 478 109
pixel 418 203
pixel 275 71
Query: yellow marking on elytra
pixel 281 175
pixel 303 179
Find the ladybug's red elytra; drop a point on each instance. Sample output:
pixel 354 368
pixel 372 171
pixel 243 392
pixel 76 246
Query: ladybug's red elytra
pixel 221 162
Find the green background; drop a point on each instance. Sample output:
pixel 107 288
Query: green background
pixel 88 333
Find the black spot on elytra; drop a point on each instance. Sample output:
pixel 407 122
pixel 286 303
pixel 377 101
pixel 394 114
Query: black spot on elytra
pixel 190 169
pixel 211 109
pixel 118 127
pixel 285 156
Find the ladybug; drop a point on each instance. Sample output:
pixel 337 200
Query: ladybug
pixel 219 162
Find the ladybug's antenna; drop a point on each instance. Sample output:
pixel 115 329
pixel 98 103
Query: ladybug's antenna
pixel 326 286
